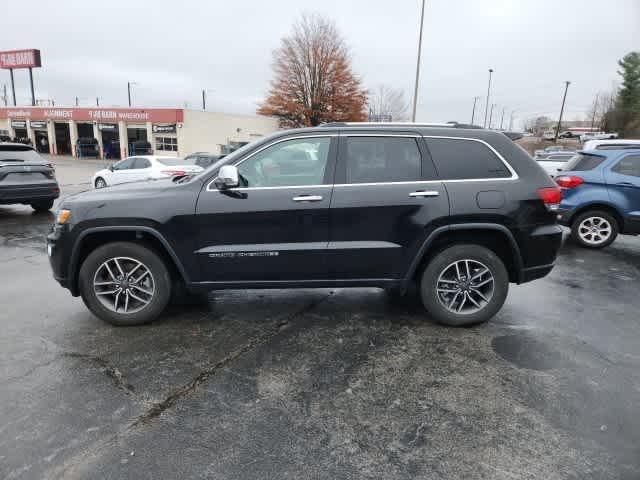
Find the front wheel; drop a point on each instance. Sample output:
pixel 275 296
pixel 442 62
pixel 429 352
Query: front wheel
pixel 464 285
pixel 100 183
pixel 594 229
pixel 125 283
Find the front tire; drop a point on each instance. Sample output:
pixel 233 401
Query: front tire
pixel 125 284
pixel 464 285
pixel 594 229
pixel 43 206
pixel 100 183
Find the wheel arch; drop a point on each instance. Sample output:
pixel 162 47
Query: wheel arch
pixel 494 236
pixel 92 238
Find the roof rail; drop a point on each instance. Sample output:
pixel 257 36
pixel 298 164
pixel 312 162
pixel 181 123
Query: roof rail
pixel 398 124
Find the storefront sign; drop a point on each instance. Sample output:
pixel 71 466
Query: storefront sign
pixel 170 128
pixel 20 59
pixel 18 124
pixel 155 115
pixel 38 124
pixel 111 127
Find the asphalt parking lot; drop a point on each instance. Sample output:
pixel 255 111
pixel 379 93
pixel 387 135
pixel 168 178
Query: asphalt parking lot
pixel 326 384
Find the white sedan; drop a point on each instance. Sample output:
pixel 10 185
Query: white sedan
pixel 554 163
pixel 143 167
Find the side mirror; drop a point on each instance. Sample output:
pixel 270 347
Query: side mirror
pixel 111 167
pixel 228 176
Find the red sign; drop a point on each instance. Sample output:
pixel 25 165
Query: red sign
pixel 20 59
pixel 100 115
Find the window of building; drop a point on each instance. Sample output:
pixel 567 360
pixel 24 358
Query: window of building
pixel 459 159
pixel 167 144
pixel 382 159
pixel 629 165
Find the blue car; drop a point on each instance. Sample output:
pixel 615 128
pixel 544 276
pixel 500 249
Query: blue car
pixel 601 195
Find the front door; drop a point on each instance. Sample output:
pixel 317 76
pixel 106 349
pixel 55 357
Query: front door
pixel 275 225
pixel 623 182
pixel 386 200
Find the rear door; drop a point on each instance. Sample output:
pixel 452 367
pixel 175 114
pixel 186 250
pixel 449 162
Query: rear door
pixel 141 169
pixel 623 183
pixel 386 200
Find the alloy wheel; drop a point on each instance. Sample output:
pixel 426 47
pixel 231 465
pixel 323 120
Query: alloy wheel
pixel 594 230
pixel 124 285
pixel 100 183
pixel 465 286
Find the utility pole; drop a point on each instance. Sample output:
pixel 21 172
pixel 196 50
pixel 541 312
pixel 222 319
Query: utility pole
pixel 129 92
pixel 491 115
pixel 473 112
pixel 564 97
pixel 415 88
pixel 97 102
pixel 511 121
pixel 204 100
pixel 595 108
pixel 76 101
pixel 486 108
pixel 502 117
pixel 13 87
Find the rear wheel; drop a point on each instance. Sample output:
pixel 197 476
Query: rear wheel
pixel 125 283
pixel 464 285
pixel 43 206
pixel 594 229
pixel 100 182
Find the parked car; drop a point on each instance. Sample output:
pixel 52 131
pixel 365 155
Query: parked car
pixel 459 212
pixel 597 136
pixel 554 163
pixel 203 159
pixel 144 167
pixel 611 144
pixel 552 149
pixel 601 196
pixel 567 134
pixel 549 135
pixel 26 177
pixel 87 147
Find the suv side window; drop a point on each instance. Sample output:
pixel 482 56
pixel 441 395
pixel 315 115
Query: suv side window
pixel 125 164
pixel 382 159
pixel 463 159
pixel 141 163
pixel 291 163
pixel 629 165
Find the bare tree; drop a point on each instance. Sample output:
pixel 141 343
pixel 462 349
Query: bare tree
pixel 388 102
pixel 314 82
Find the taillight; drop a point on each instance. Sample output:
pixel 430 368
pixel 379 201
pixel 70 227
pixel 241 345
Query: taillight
pixel 569 181
pixel 551 197
pixel 174 173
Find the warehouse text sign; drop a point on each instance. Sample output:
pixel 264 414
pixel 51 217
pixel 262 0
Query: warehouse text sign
pixel 100 115
pixel 20 59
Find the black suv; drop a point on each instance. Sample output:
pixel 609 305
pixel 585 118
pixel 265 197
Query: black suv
pixel 458 212
pixel 26 177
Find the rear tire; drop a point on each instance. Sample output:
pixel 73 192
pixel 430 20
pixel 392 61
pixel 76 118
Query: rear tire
pixel 43 206
pixel 464 285
pixel 99 283
pixel 594 229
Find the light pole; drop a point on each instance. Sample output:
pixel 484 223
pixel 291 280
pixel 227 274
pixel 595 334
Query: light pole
pixel 502 117
pixel 129 84
pixel 486 108
pixel 473 112
pixel 491 114
pixel 97 101
pixel 204 97
pixel 511 120
pixel 564 97
pixel 415 88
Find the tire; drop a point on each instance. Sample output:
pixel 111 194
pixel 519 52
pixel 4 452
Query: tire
pixel 100 183
pixel 461 311
pixel 599 236
pixel 43 206
pixel 157 281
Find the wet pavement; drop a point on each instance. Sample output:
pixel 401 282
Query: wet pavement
pixel 319 383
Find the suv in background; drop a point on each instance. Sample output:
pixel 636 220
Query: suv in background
pixel 26 177
pixel 601 196
pixel 461 213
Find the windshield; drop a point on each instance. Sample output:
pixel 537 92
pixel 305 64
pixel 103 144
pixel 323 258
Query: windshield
pixel 20 155
pixel 170 161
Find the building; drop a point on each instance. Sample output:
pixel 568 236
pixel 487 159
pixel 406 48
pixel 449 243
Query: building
pixel 174 131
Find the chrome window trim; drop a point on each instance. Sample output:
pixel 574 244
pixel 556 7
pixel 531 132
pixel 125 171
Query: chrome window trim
pixel 275 142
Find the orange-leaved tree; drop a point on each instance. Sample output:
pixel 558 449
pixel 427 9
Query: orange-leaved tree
pixel 313 81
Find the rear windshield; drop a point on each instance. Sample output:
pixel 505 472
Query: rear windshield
pixel 583 162
pixel 170 161
pixel 18 154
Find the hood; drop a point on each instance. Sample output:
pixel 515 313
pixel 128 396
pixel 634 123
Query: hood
pixel 130 189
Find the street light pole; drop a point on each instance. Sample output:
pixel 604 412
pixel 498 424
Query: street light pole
pixel 129 92
pixel 415 88
pixel 502 117
pixel 564 97
pixel 491 115
pixel 204 101
pixel 511 120
pixel 473 112
pixel 486 108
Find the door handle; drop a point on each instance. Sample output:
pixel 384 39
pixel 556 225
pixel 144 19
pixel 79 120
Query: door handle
pixel 424 193
pixel 307 198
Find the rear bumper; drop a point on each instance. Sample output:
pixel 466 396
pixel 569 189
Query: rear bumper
pixel 28 193
pixel 538 250
pixel 564 216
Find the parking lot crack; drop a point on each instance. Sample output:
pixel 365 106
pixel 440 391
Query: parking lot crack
pixel 175 395
pixel 109 370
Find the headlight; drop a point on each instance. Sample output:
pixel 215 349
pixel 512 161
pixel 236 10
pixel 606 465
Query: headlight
pixel 63 216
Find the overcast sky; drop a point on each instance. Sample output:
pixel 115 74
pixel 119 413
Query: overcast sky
pixel 174 49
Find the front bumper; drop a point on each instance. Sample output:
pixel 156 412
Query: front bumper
pixel 56 251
